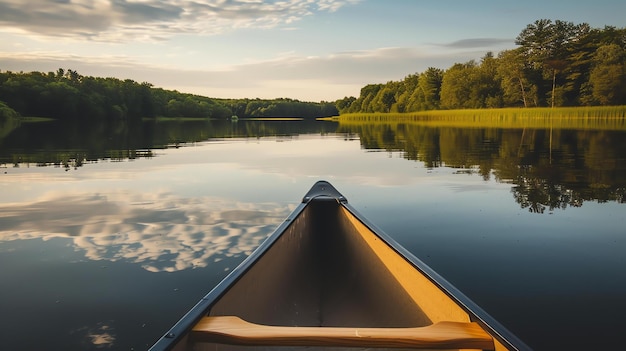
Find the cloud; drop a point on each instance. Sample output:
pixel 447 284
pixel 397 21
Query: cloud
pixel 124 20
pixel 52 17
pixel 479 43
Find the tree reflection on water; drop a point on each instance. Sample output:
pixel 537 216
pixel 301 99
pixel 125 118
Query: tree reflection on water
pixel 548 169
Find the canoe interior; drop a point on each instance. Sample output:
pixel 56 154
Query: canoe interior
pixel 321 273
pixel 328 269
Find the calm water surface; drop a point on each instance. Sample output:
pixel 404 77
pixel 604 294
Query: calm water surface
pixel 109 235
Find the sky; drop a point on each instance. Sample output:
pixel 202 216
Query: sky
pixel 308 50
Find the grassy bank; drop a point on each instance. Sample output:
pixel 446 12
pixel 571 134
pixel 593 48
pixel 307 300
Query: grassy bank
pixel 601 117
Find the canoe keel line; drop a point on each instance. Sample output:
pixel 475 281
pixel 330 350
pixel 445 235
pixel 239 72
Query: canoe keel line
pixel 328 279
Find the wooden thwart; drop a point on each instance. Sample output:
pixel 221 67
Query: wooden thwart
pixel 441 335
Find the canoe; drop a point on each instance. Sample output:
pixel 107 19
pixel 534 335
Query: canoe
pixel 327 278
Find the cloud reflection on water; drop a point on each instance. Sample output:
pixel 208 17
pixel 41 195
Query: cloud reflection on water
pixel 100 337
pixel 162 232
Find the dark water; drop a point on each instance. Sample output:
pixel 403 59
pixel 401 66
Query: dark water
pixel 108 234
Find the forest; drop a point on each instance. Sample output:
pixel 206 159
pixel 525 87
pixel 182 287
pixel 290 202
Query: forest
pixel 67 95
pixel 556 63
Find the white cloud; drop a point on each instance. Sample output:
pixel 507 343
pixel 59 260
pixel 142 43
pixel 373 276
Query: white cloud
pixel 124 20
pixel 480 43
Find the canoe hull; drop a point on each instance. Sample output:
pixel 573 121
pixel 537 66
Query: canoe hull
pixel 326 266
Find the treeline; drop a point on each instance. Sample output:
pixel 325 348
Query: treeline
pixel 557 63
pixel 67 95
pixel 282 107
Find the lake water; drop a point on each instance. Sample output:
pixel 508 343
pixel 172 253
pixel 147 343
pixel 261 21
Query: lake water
pixel 108 235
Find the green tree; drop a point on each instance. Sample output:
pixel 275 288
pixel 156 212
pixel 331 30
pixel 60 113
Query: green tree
pixel 368 93
pixel 404 91
pixel 547 46
pixel 384 98
pixel 535 41
pixel 427 93
pixel 513 81
pixel 456 86
pixel 486 89
pixel 608 75
pixel 61 99
pixel 343 105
